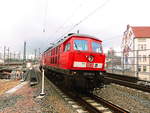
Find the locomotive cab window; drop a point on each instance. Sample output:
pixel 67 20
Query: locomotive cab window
pixel 67 47
pixel 80 45
pixel 96 47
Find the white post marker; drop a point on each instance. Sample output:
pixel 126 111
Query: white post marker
pixel 42 92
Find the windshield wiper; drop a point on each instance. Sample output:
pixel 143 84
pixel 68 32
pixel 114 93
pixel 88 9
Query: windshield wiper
pixel 76 46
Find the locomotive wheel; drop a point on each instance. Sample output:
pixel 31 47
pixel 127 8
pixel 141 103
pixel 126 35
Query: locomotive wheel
pixel 80 83
pixel 100 79
pixel 68 82
pixel 46 72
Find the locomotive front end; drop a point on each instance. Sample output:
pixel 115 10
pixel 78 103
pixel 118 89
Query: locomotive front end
pixel 88 62
pixel 88 55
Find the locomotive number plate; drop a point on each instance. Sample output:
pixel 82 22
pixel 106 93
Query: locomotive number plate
pixel 90 65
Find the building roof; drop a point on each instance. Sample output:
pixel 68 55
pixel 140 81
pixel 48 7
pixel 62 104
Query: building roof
pixel 141 32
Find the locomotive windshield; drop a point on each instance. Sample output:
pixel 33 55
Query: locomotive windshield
pixel 96 47
pixel 80 45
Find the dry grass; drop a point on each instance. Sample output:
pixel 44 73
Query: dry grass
pixel 7 84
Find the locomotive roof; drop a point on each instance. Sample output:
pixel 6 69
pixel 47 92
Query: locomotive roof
pixel 67 37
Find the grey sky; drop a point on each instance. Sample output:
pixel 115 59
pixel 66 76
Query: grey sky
pixel 22 20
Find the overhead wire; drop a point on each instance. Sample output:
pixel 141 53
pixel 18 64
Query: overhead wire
pixel 44 21
pixel 85 18
pixel 68 19
pixel 45 15
pixel 71 16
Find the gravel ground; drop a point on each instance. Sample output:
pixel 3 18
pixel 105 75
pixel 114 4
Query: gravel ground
pixel 132 100
pixel 8 101
pixel 53 101
pixel 25 101
pixel 19 102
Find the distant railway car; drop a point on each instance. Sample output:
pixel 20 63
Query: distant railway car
pixel 79 60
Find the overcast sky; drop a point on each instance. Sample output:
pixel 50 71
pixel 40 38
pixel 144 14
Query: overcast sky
pixel 24 20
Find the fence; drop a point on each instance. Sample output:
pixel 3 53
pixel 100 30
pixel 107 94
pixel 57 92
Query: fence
pixel 132 63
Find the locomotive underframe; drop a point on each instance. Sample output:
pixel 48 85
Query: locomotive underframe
pixel 80 79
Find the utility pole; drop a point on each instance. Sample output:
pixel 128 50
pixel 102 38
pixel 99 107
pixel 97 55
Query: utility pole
pixel 8 56
pixel 14 55
pixel 24 55
pixel 19 54
pixel 4 53
pixel 35 55
pixel 39 53
pixel 137 64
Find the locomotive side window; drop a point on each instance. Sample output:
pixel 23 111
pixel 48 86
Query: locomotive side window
pixel 96 47
pixel 67 47
pixel 80 45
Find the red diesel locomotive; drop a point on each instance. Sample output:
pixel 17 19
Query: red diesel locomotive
pixel 78 60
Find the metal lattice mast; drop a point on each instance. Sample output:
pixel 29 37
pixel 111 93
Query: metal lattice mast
pixel 24 55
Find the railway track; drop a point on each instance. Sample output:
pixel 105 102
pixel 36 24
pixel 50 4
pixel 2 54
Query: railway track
pixel 95 104
pixel 111 106
pixel 86 102
pixel 122 77
pixel 127 82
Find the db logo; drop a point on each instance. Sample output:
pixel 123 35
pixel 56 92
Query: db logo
pixel 90 58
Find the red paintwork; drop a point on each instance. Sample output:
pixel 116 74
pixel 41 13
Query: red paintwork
pixel 65 60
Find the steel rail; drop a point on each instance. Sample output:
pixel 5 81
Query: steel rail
pixel 84 104
pixel 108 104
pixel 128 84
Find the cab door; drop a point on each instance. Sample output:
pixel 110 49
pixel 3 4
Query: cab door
pixel 64 56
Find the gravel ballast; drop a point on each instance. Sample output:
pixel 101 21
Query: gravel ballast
pixel 132 100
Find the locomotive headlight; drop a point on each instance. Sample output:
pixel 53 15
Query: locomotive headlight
pixel 74 73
